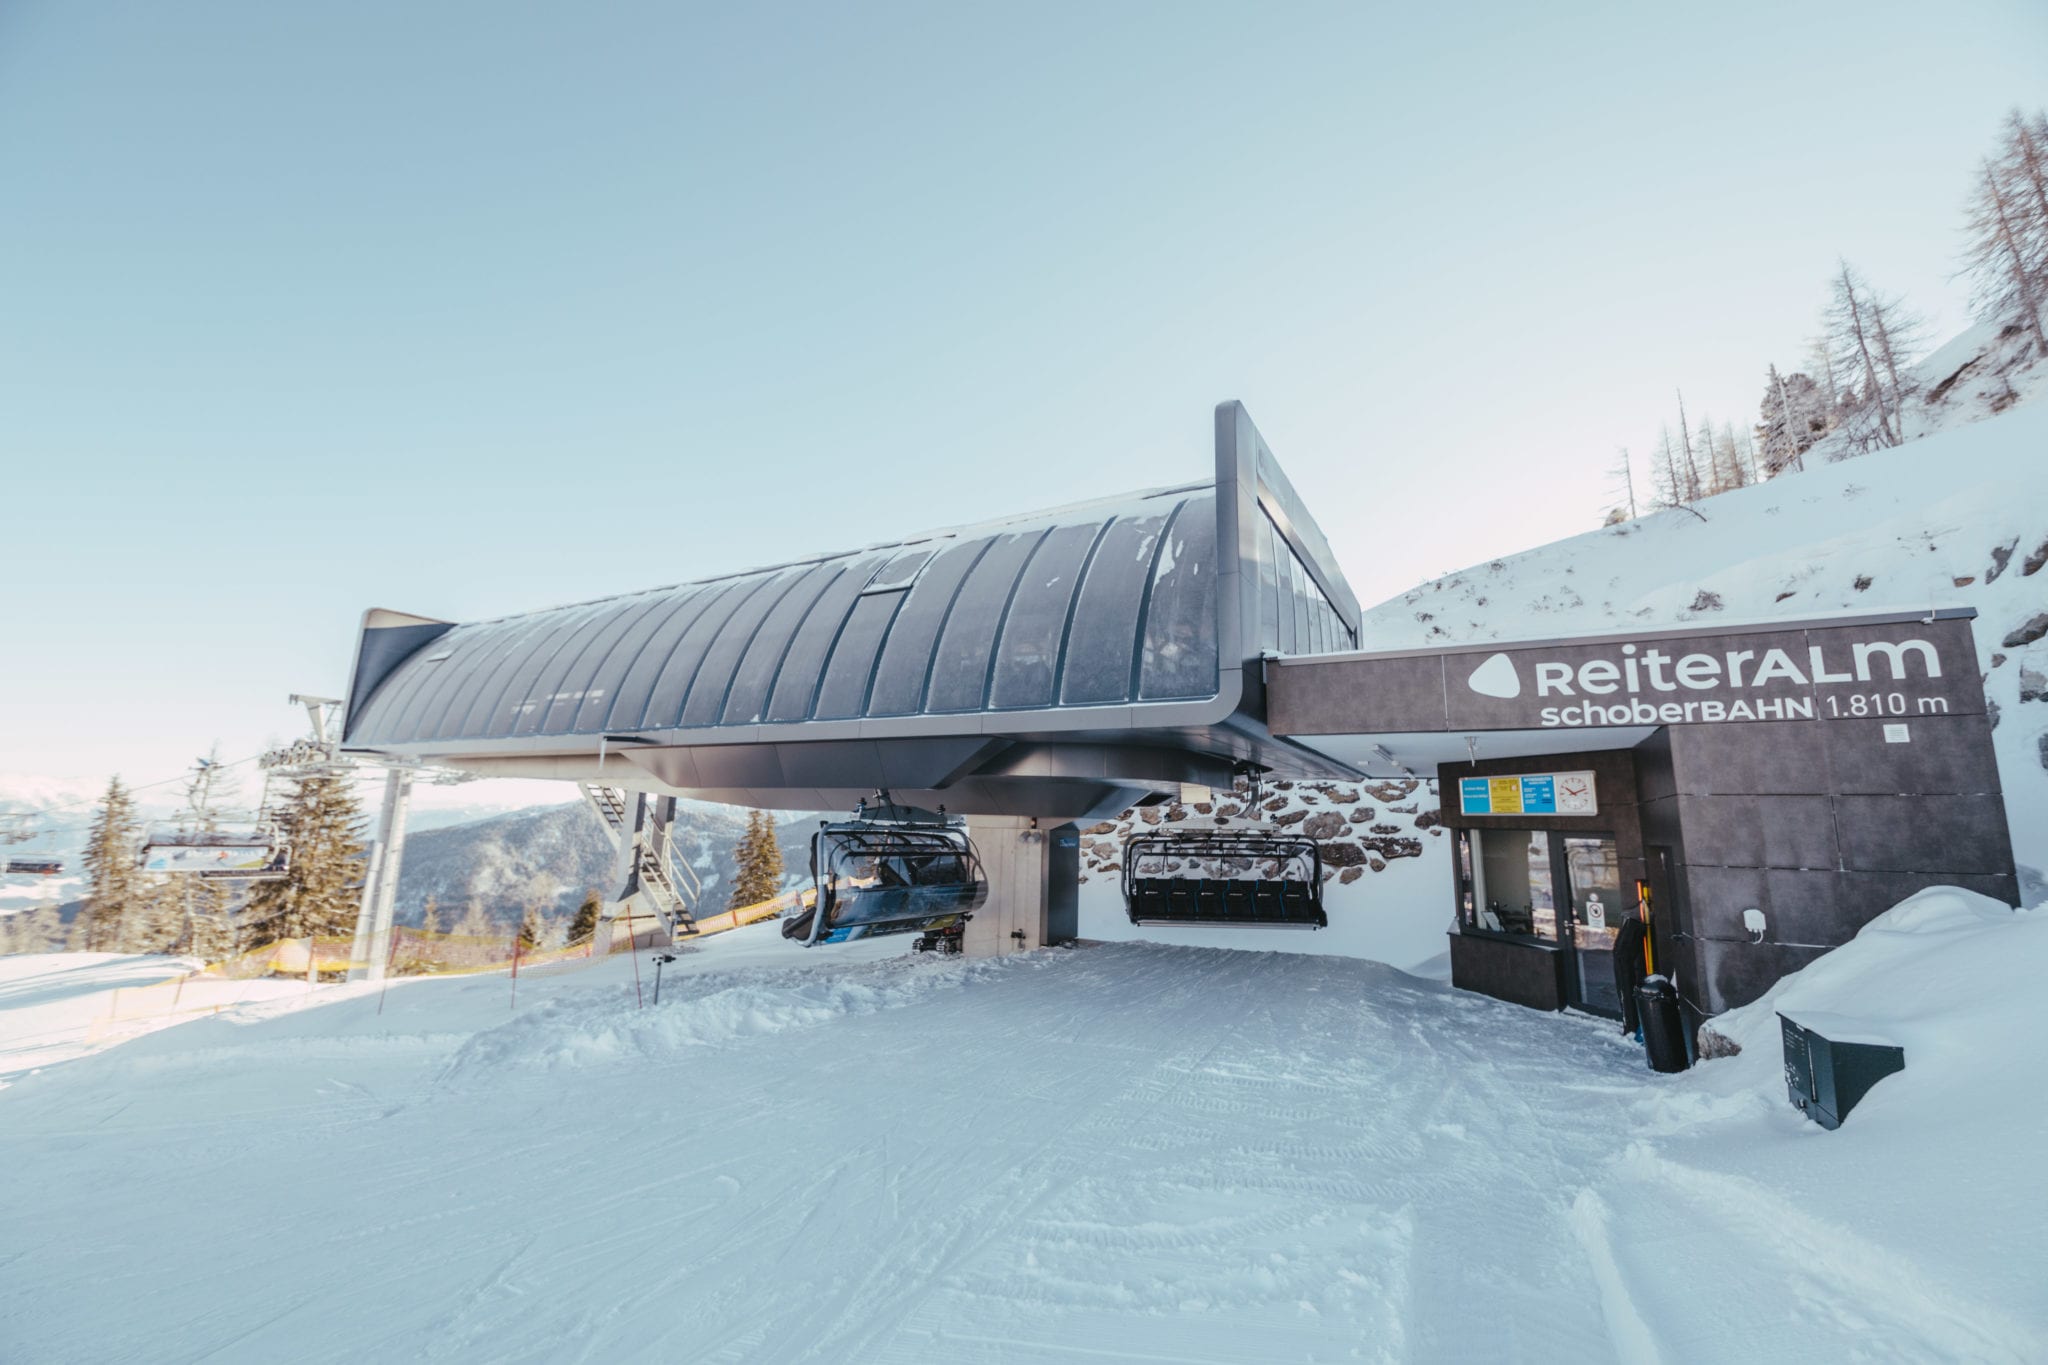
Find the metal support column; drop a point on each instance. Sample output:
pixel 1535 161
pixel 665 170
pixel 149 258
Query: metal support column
pixel 380 889
pixel 623 903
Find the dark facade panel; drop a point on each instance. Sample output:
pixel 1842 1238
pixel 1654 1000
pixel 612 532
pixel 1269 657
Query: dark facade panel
pixel 1933 754
pixel 1913 833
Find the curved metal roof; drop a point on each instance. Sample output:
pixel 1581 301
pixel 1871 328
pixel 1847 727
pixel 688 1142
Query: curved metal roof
pixel 1103 604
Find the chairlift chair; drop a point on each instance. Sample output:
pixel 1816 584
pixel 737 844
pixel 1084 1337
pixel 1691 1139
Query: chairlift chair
pixel 1264 879
pixel 892 870
pixel 247 854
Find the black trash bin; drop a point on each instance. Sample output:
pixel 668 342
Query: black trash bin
pixel 1663 1034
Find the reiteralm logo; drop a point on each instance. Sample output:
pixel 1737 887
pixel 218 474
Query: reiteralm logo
pixel 1496 678
pixel 1652 671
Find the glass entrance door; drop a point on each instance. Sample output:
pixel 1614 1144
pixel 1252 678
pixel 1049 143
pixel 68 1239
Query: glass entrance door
pixel 1596 910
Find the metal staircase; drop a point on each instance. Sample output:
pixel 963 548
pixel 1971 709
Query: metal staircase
pixel 669 882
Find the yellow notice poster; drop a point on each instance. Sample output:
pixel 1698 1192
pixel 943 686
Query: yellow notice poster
pixel 1506 794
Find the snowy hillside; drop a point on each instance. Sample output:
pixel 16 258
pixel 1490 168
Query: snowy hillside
pixel 550 856
pixel 1978 374
pixel 1130 1152
pixel 1957 519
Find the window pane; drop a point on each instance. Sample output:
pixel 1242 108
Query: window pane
pixel 960 672
pixel 721 657
pixel 1301 591
pixel 1180 623
pixel 588 688
pixel 764 655
pixel 552 705
pixel 1269 585
pixel 1104 637
pixel 907 656
pixel 665 703
pixel 650 667
pixel 796 682
pixel 496 713
pixel 1030 647
pixel 845 688
pixel 1514 883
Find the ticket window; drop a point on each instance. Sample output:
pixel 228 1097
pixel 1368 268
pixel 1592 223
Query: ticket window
pixel 1550 886
pixel 1510 878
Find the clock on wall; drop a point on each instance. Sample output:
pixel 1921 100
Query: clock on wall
pixel 1575 794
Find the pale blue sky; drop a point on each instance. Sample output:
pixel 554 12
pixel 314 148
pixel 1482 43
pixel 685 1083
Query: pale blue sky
pixel 473 308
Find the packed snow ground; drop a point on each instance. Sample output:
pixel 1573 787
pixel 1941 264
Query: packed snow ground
pixel 1129 1151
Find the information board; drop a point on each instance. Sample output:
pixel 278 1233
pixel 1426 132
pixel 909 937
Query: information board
pixel 1528 794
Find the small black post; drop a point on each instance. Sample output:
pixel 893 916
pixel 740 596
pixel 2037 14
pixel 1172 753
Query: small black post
pixel 659 961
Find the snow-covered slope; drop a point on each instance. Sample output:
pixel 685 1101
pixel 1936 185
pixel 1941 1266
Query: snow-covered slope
pixel 1124 1152
pixel 1957 519
pixel 1985 370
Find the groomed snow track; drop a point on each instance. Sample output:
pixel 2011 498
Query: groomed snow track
pixel 1127 1152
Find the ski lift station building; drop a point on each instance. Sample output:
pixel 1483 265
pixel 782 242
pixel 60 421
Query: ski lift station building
pixel 1760 792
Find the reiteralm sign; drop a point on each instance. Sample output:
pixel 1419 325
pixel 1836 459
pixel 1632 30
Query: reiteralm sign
pixel 1891 671
pixel 1895 668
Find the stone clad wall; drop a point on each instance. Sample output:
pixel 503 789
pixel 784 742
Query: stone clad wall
pixel 1361 827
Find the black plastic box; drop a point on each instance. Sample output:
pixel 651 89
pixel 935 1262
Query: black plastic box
pixel 1826 1076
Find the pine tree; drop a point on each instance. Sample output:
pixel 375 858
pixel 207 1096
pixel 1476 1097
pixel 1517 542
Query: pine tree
pixel 155 922
pixel 44 929
pixel 759 859
pixel 585 922
pixel 320 893
pixel 533 928
pixel 113 882
pixel 430 917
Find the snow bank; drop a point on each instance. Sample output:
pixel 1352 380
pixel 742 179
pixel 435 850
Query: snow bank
pixel 1952 977
pixel 1919 1229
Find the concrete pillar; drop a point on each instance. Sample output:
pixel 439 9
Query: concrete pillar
pixel 1016 857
